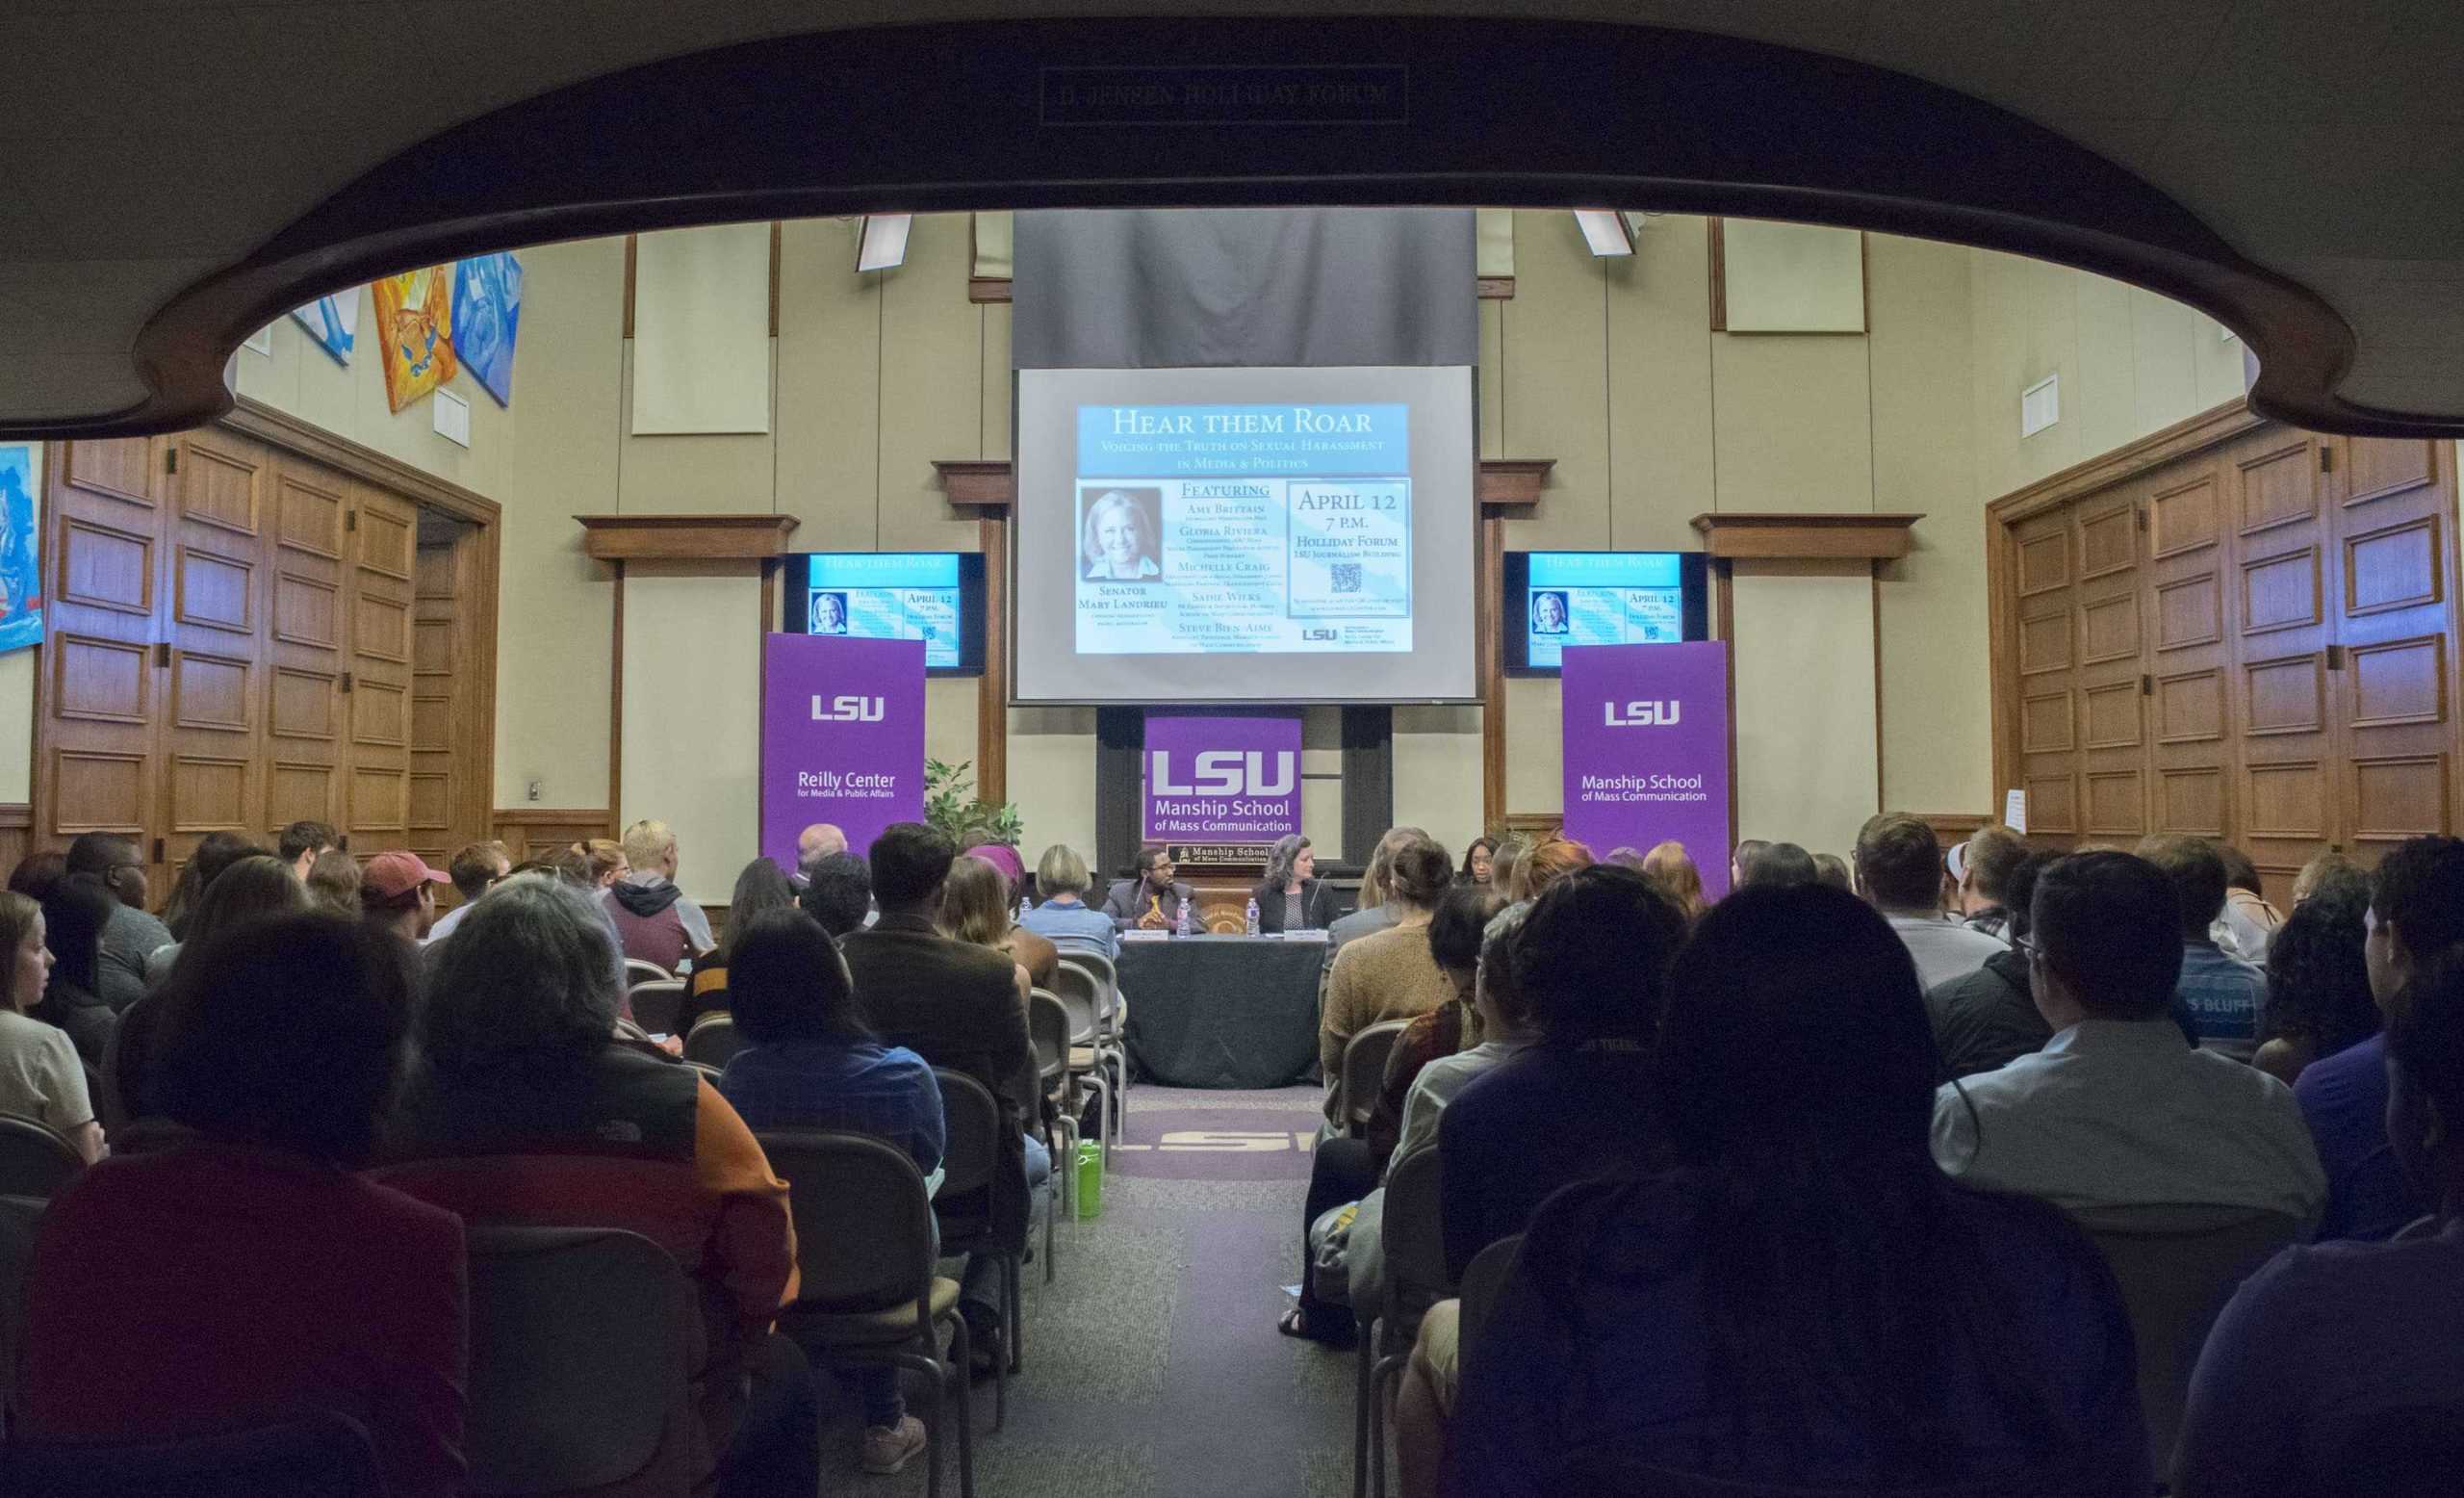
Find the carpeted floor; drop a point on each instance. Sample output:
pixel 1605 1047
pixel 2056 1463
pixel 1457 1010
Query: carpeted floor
pixel 1152 1363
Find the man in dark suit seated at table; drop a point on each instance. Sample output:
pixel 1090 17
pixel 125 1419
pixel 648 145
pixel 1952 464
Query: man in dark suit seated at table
pixel 1153 900
pixel 957 1005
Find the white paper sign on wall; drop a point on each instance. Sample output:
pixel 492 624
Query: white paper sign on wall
pixel 2015 812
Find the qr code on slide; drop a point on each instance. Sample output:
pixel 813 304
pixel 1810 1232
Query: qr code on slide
pixel 1346 577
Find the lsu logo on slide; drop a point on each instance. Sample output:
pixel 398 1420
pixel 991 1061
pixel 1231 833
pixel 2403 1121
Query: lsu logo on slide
pixel 848 710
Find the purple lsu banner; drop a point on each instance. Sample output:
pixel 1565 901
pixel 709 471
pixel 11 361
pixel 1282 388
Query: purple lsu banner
pixel 1221 779
pixel 1647 750
pixel 842 738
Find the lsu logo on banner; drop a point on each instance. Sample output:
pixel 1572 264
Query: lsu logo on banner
pixel 1640 715
pixel 848 710
pixel 1226 772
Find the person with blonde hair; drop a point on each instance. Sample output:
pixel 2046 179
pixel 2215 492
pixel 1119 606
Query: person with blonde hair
pixel 655 920
pixel 1118 541
pixel 1370 915
pixel 1544 866
pixel 976 909
pixel 602 860
pixel 1670 867
pixel 1064 918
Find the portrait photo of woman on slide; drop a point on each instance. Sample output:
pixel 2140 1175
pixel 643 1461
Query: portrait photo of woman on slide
pixel 1117 541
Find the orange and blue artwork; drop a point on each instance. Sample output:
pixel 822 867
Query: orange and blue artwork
pixel 415 326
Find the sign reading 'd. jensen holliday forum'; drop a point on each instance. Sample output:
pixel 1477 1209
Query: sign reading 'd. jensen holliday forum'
pixel 1221 779
pixel 842 738
pixel 1647 750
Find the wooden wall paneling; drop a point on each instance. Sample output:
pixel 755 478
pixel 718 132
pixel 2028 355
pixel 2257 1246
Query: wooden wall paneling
pixel 216 491
pixel 16 832
pixel 2392 676
pixel 380 582
pixel 306 760
pixel 2111 674
pixel 2190 697
pixel 2044 699
pixel 992 687
pixel 530 832
pixel 440 805
pixel 2277 498
pixel 96 745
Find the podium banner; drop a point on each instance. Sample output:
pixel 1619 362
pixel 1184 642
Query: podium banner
pixel 1220 779
pixel 1647 750
pixel 842 738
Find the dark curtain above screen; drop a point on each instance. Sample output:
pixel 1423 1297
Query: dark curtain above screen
pixel 1142 288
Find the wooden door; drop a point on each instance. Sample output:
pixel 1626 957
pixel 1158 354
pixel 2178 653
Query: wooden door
pixel 2191 688
pixel 2042 655
pixel 306 753
pixel 438 820
pixel 215 485
pixel 2111 674
pixel 2278 507
pixel 382 533
pixel 2391 666
pixel 98 768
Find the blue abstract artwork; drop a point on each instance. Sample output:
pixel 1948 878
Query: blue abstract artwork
pixel 333 322
pixel 487 316
pixel 20 567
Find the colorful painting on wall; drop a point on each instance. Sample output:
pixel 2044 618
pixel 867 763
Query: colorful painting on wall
pixel 487 315
pixel 415 319
pixel 20 565
pixel 333 322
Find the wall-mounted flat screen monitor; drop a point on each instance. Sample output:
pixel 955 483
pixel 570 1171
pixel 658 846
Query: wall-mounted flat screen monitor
pixel 937 597
pixel 1556 599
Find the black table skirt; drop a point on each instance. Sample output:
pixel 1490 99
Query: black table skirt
pixel 1223 1011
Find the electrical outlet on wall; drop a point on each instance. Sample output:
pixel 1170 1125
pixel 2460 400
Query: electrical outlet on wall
pixel 534 789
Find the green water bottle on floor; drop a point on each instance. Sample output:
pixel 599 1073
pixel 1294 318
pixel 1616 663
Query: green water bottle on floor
pixel 1090 1185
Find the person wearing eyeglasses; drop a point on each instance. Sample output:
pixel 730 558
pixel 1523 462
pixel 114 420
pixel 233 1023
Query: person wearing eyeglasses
pixel 1153 900
pixel 131 935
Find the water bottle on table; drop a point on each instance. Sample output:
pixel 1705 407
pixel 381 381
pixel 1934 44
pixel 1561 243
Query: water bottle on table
pixel 1181 920
pixel 1251 917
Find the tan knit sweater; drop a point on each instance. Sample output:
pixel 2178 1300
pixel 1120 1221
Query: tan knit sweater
pixel 1386 975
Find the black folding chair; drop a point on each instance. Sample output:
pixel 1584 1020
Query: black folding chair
pixel 326 1455
pixel 34 1161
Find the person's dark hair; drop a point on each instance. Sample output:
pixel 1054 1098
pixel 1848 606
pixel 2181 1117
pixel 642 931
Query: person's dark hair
pixel 2426 1034
pixel 1594 954
pixel 257 888
pixel 214 852
pixel 1150 854
pixel 1780 864
pixel 73 917
pixel 333 882
pixel 2198 877
pixel 1796 1068
pixel 2109 925
pixel 2240 874
pixel 474 868
pixel 288 1033
pixel 1471 850
pixel 1899 862
pixel 761 886
pixel 1420 874
pixel 838 893
pixel 97 853
pixel 1454 928
pixel 2318 977
pixel 1830 868
pixel 304 837
pixel 36 873
pixel 787 982
pixel 1743 853
pixel 529 987
pixel 2019 889
pixel 909 861
pixel 2419 886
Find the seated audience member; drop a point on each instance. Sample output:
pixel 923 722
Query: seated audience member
pixel 1152 901
pixel 1291 897
pixel 2319 999
pixel 2223 993
pixel 1543 864
pixel 818 841
pixel 1831 869
pixel 760 887
pixel 1626 856
pixel 2327 1342
pixel 1673 869
pixel 74 915
pixel 257 888
pixel 2249 921
pixel 959 1006
pixel 1589 966
pixel 132 935
pixel 213 853
pixel 286 1283
pixel 1478 862
pixel 602 860
pixel 2116 1115
pixel 333 882
pixel 36 873
pixel 1063 918
pixel 1899 870
pixel 1987 1019
pixel 476 870
pixel 1343 1169
pixel 1985 862
pixel 1802 1300
pixel 398 896
pixel 1388 975
pixel 528 1110
pixel 1372 915
pixel 654 920
pixel 838 893
pixel 1780 865
pixel 41 1077
pixel 1501 861
pixel 1741 857
pixel 976 909
pixel 2321 868
pixel 1005 858
pixel 810 1063
pixel 301 843
pixel 2416 914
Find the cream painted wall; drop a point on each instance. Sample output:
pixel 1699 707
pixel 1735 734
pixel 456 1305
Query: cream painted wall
pixel 1805 766
pixel 687 645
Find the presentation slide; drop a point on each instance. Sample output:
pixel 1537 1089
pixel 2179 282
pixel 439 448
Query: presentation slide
pixel 1309 538
pixel 1601 597
pixel 887 596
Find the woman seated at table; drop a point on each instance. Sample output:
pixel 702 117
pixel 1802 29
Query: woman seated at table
pixel 1291 897
pixel 1064 918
